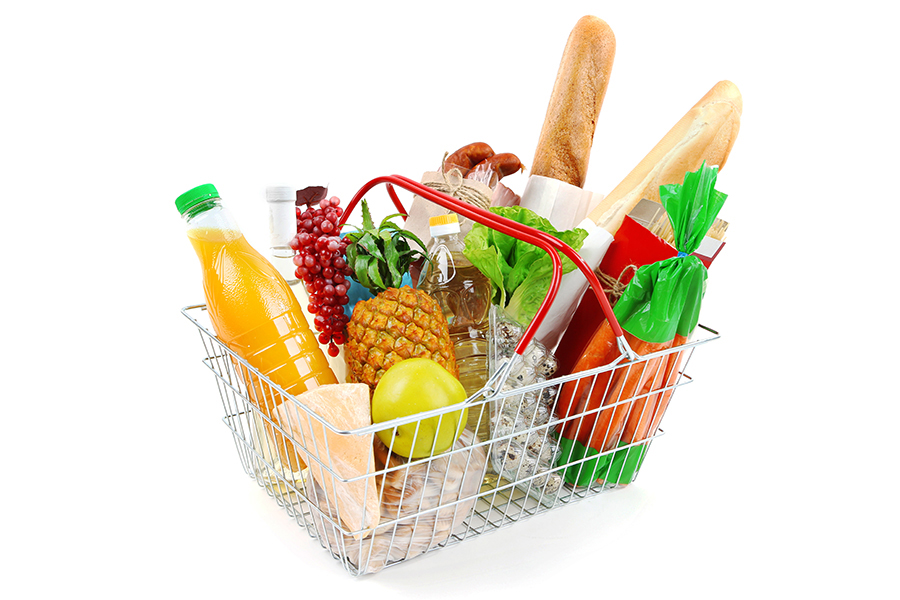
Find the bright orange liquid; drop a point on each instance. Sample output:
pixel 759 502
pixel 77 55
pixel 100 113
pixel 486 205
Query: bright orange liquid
pixel 255 314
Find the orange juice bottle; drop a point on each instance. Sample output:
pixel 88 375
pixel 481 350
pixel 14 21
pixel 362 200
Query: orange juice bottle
pixel 254 313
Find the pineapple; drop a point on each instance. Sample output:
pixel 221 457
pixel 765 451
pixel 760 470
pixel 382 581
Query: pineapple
pixel 397 324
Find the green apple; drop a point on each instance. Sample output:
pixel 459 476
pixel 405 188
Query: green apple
pixel 413 386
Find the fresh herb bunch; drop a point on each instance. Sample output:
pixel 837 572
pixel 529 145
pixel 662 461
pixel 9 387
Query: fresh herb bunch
pixel 379 256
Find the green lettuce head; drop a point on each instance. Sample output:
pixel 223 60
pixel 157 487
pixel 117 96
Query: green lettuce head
pixel 519 272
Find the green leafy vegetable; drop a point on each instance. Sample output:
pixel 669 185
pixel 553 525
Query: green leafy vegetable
pixel 379 256
pixel 519 272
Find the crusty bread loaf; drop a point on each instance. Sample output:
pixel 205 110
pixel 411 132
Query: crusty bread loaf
pixel 707 132
pixel 564 147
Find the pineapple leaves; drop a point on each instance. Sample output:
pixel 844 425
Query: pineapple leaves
pixel 375 275
pixel 379 257
pixel 369 243
pixel 409 235
pixel 350 255
pixel 361 270
pixel 392 256
pixel 368 224
pixel 386 222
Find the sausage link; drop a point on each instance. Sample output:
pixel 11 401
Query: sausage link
pixel 493 169
pixel 468 156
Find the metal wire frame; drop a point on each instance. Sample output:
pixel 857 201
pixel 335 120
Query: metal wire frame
pixel 453 514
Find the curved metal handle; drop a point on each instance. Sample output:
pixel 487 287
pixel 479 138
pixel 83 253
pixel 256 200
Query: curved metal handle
pixel 542 240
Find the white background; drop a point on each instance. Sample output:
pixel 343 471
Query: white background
pixel 776 474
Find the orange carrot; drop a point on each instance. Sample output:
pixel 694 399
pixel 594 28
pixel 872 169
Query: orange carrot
pixel 672 374
pixel 602 430
pixel 600 350
pixel 644 420
pixel 642 409
pixel 611 421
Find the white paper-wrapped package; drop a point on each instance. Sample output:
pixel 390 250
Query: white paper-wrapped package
pixel 561 203
pixel 573 285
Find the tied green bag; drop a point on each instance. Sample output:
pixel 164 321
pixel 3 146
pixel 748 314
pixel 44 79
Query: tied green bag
pixel 661 301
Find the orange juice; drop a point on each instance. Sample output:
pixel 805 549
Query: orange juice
pixel 254 312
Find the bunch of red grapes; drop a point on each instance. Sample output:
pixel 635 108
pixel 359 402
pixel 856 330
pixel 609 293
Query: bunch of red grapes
pixel 322 266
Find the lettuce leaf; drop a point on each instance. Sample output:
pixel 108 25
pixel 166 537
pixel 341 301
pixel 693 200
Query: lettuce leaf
pixel 519 272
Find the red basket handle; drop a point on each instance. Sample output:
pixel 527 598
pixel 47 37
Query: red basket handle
pixel 542 240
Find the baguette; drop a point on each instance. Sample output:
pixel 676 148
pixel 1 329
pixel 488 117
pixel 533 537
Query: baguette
pixel 707 132
pixel 567 135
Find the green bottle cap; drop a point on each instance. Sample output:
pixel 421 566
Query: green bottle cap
pixel 194 196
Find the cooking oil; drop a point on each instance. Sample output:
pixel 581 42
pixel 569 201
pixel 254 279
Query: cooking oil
pixel 464 295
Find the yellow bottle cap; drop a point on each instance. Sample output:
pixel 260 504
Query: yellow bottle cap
pixel 443 225
pixel 443 220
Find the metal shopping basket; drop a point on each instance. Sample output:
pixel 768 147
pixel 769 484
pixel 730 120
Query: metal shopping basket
pixel 391 509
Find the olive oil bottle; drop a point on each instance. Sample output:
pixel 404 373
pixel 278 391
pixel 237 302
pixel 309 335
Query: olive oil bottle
pixel 464 295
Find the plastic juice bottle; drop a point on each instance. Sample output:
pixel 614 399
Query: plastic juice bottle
pixel 464 295
pixel 254 313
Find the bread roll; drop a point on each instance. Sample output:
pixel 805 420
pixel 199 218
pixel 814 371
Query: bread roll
pixel 707 132
pixel 564 147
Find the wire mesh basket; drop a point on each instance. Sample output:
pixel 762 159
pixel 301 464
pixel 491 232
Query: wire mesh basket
pixel 372 508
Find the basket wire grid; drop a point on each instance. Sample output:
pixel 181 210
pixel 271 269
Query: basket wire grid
pixel 420 504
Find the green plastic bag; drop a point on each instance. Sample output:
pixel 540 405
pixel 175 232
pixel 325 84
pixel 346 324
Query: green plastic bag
pixel 661 301
pixel 663 298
